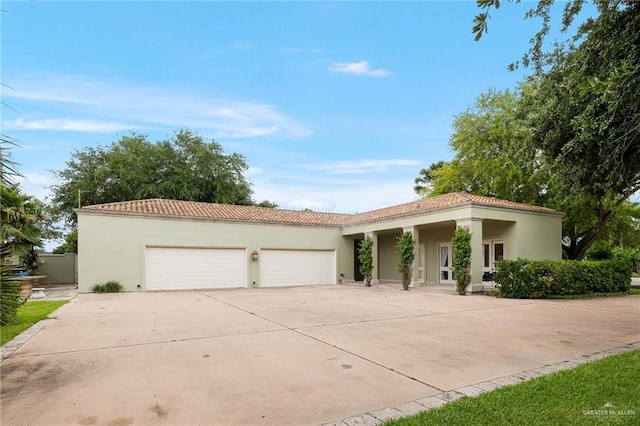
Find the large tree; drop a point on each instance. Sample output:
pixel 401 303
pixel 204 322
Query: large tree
pixel 585 113
pixel 23 224
pixel 185 167
pixel 493 153
pixel 497 154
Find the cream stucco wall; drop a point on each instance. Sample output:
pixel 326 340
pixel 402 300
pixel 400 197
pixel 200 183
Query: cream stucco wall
pixel 388 256
pixel 526 234
pixel 112 247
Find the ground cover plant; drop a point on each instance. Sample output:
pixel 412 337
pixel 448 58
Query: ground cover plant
pixel 108 287
pixel 27 315
pixel 600 392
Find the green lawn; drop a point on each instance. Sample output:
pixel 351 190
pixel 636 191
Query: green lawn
pixel 27 315
pixel 605 392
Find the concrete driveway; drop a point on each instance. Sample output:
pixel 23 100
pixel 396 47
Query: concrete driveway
pixel 287 356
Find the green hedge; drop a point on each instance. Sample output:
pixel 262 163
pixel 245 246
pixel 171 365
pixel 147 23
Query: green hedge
pixel 524 279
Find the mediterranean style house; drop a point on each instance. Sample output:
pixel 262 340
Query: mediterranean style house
pixel 159 244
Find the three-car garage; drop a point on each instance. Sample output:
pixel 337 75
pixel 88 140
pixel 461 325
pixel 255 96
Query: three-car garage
pixel 179 268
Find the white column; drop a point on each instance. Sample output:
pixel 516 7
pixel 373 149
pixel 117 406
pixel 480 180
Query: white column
pixel 375 272
pixel 474 226
pixel 415 234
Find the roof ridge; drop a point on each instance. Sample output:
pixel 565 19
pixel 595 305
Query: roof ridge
pixel 218 211
pixel 146 200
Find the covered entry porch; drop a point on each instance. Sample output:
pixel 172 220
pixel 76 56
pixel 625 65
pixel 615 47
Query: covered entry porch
pixel 499 230
pixel 433 252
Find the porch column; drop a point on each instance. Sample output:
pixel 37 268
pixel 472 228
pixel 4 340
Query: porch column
pixel 415 234
pixel 475 228
pixel 375 272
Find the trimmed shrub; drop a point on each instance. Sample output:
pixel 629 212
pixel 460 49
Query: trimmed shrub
pixel 108 287
pixel 365 256
pixel 406 253
pixel 524 279
pixel 461 259
pixel 632 256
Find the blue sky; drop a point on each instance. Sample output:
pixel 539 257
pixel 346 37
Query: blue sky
pixel 335 105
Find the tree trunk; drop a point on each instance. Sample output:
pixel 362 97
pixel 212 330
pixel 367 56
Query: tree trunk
pixel 367 280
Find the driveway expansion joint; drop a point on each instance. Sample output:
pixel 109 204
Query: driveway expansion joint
pixel 436 401
pixel 299 332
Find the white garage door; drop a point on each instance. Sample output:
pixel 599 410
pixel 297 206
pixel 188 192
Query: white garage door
pixel 187 268
pixel 297 267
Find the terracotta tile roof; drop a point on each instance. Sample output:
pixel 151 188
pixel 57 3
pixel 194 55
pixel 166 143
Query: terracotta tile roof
pixel 195 210
pixel 210 211
pixel 442 201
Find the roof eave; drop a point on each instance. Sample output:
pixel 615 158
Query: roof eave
pixel 201 219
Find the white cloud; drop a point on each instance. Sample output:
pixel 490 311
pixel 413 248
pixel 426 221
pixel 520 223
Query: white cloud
pixel 252 171
pixel 115 101
pixel 358 197
pixel 358 68
pixel 36 184
pixel 362 166
pixel 66 125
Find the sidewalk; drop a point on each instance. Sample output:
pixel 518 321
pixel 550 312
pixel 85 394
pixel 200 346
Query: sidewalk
pixel 59 291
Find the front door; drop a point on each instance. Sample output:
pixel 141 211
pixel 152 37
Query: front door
pixel 445 271
pixel 492 251
pixel 357 275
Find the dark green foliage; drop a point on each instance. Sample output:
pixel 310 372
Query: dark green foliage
pixel 406 253
pixel 98 288
pixel 112 287
pixel 365 256
pixel 20 230
pixel 9 295
pixel 582 117
pixel 425 180
pixel 108 287
pixel 600 253
pixel 185 167
pixel 523 279
pixel 461 243
pixel 70 244
pixel 630 256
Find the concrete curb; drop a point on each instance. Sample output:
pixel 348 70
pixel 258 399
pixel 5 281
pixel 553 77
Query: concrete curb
pixel 413 407
pixel 11 346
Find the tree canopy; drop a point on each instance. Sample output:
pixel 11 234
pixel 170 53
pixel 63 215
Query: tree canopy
pixel 184 167
pixel 498 153
pixel 569 137
pixel 494 156
pixel 23 224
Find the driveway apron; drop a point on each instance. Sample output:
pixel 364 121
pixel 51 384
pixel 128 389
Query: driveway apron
pixel 303 355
